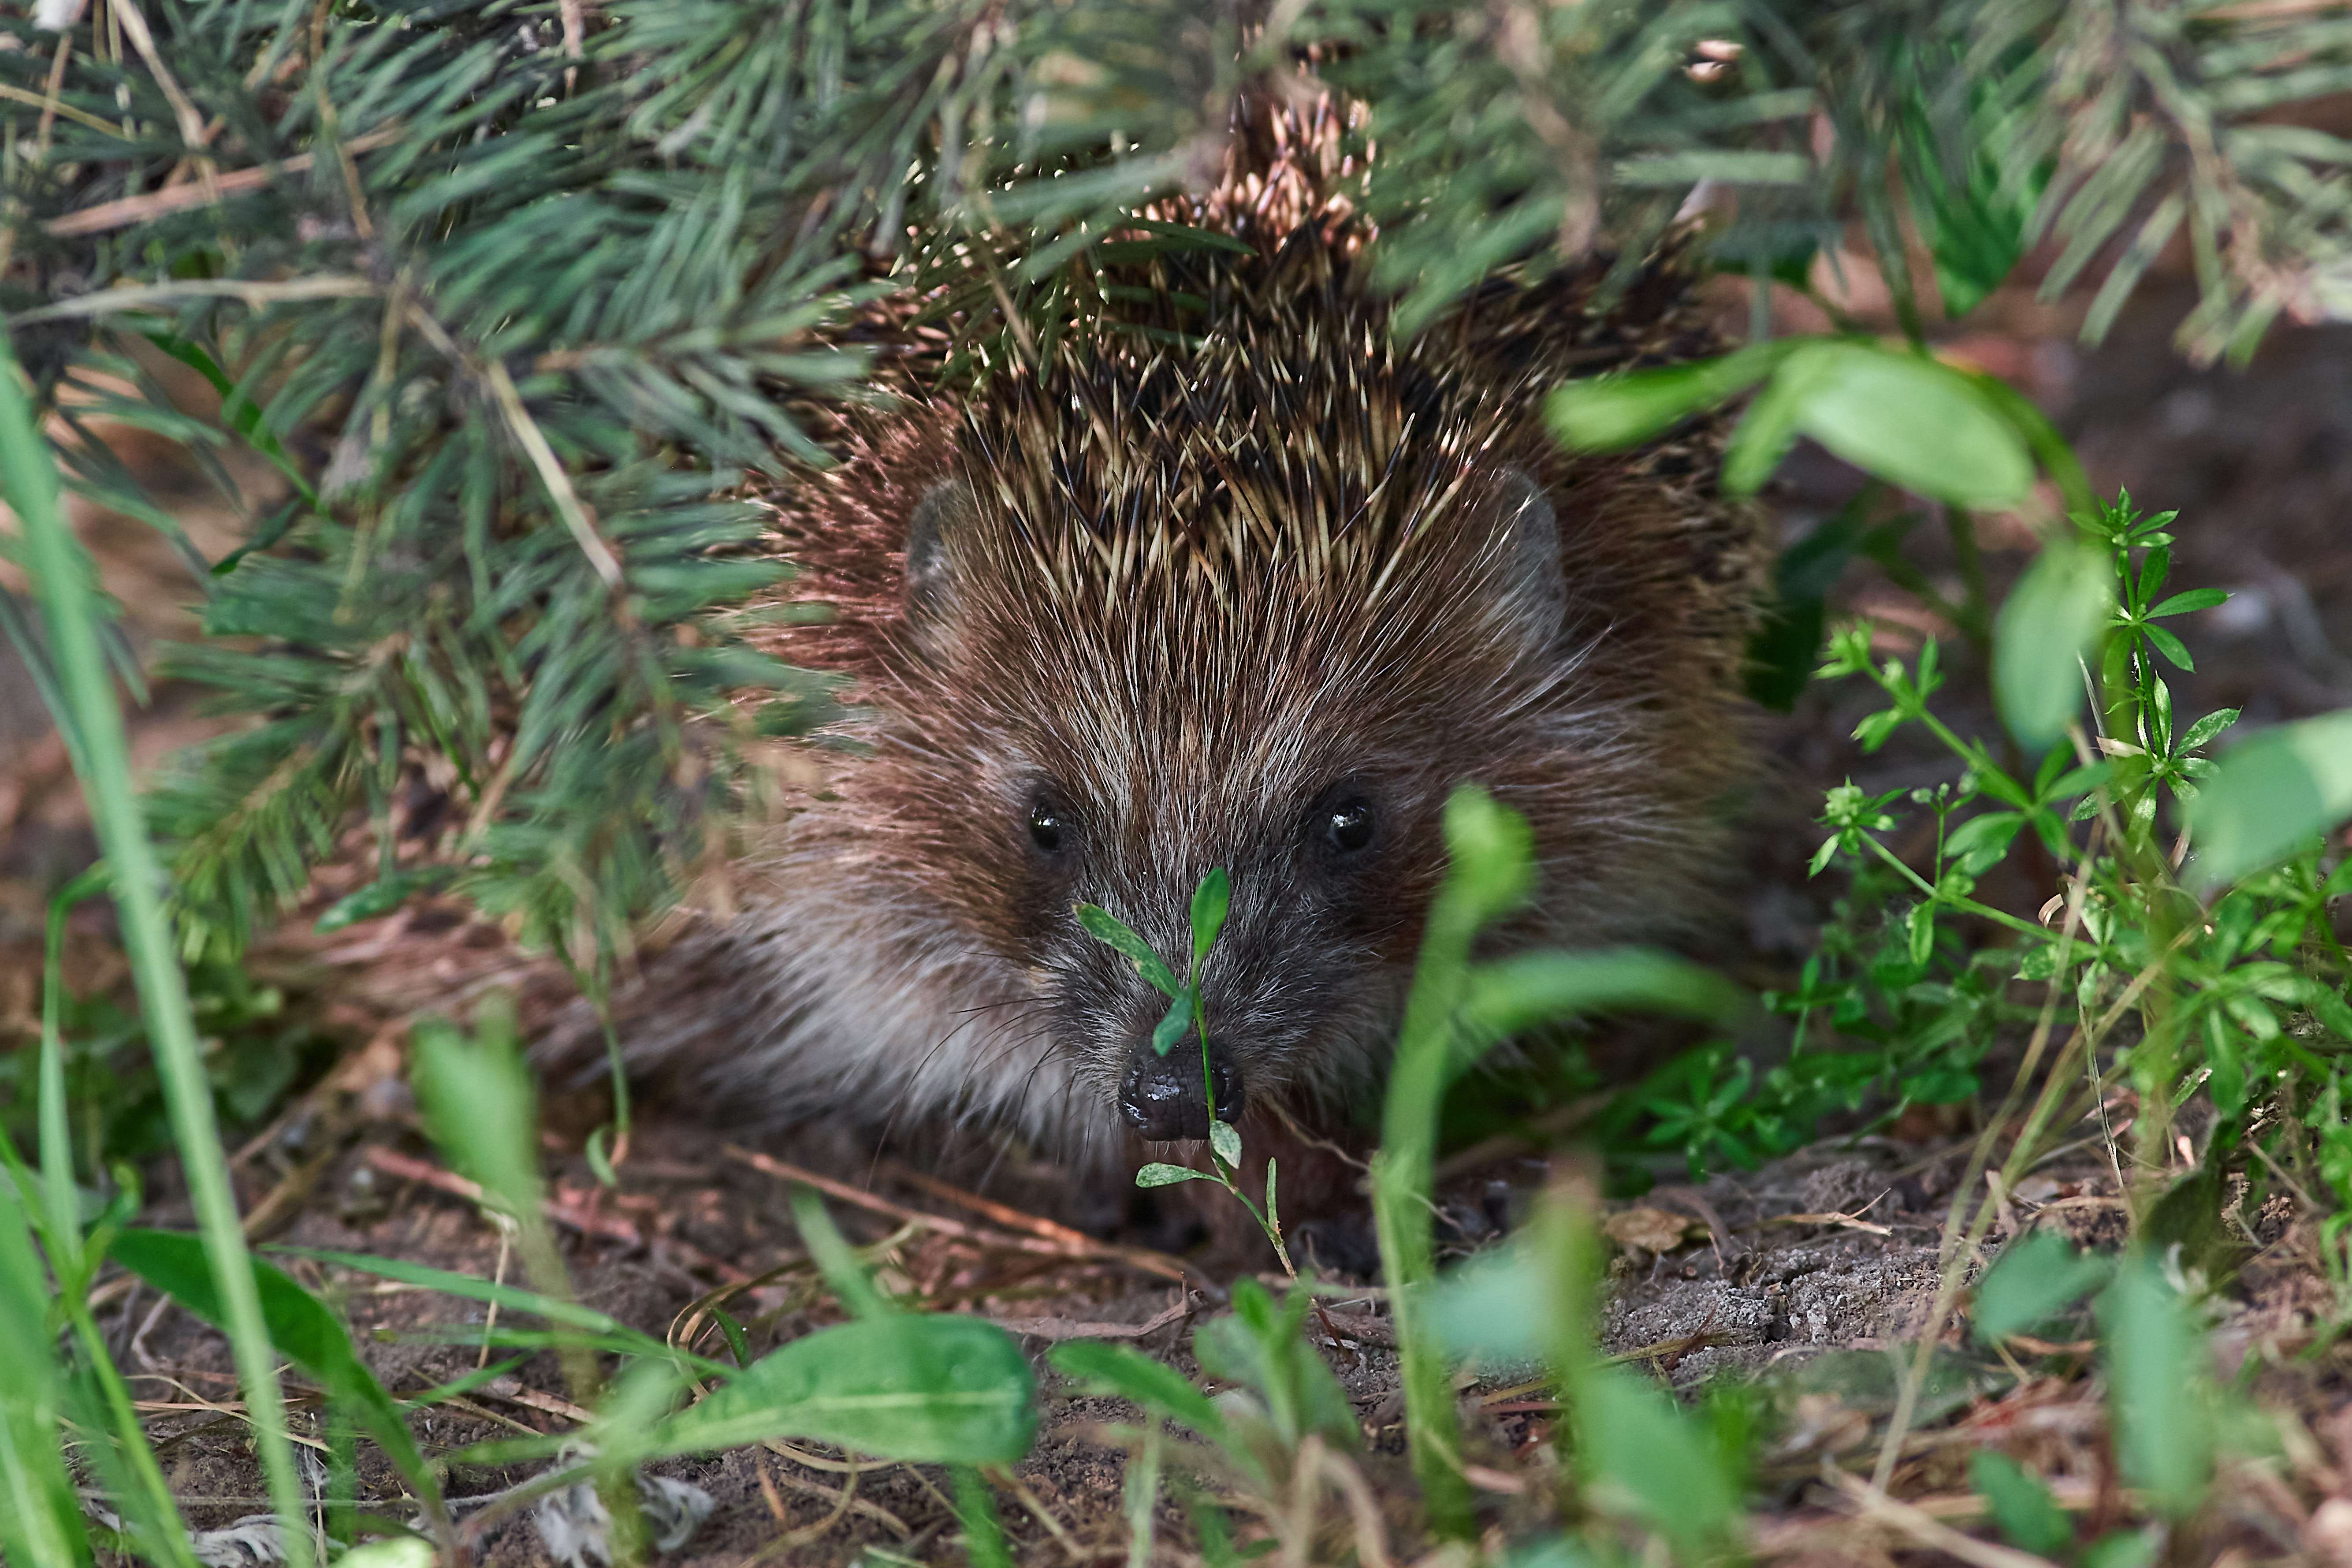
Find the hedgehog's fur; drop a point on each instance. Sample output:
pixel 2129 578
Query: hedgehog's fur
pixel 1201 575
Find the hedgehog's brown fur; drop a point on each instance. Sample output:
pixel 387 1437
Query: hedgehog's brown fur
pixel 1201 567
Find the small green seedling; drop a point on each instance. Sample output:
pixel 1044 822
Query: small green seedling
pixel 1211 900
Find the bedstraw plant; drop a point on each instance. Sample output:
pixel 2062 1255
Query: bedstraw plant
pixel 1211 900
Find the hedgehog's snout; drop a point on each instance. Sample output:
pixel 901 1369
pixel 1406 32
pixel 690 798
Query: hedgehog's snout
pixel 1166 1098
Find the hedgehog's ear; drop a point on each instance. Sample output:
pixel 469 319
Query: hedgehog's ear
pixel 930 584
pixel 1534 597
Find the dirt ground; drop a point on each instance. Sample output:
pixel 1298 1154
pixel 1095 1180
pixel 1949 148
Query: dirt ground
pixel 1805 1274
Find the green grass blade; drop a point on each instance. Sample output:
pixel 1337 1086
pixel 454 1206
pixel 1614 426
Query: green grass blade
pixel 237 411
pixel 1492 869
pixel 61 575
pixel 1153 1385
pixel 833 1258
pixel 1515 994
pixel 39 1519
pixel 93 1396
pixel 128 1466
pixel 508 1297
pixel 64 1235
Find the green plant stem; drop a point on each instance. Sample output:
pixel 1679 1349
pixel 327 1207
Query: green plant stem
pixel 61 577
pixel 1953 900
pixel 1915 1374
pixel 976 1511
pixel 130 1438
pixel 57 1138
pixel 1401 1174
pixel 1978 625
pixel 2050 448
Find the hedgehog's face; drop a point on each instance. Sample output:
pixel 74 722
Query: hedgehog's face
pixel 1115 756
pixel 1301 990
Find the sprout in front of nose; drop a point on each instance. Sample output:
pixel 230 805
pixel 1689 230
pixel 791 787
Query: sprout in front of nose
pixel 1210 901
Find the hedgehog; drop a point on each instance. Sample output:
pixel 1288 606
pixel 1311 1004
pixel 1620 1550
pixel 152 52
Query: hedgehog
pixel 1232 575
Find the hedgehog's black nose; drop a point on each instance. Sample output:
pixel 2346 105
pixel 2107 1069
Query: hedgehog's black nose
pixel 1163 1098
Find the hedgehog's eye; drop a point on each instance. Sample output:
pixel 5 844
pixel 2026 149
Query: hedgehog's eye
pixel 1046 830
pixel 1348 826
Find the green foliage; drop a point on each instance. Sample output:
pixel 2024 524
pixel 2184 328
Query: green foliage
pixel 42 1523
pixel 1261 1346
pixel 511 312
pixel 506 308
pixel 2158 1390
pixel 301 1328
pixel 2213 996
pixel 2051 619
pixel 101 750
pixel 481 1106
pixel 933 1387
pixel 1650 1458
pixel 1210 901
pixel 2270 795
pixel 2035 1278
pixel 2022 1506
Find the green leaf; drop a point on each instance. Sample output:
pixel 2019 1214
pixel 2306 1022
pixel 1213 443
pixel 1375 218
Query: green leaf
pixel 40 1520
pixel 833 1258
pixel 1766 431
pixel 1920 926
pixel 975 1510
pixel 2156 1385
pixel 1505 997
pixel 2170 647
pixel 2195 599
pixel 1259 1344
pixel 1911 422
pixel 2270 794
pixel 1173 1023
pixel 2022 1506
pixel 1105 927
pixel 2034 1279
pixel 237 411
pixel 1158 1175
pixel 2052 620
pixel 303 1331
pixel 1610 413
pixel 600 1162
pixel 1130 1375
pixel 1226 1142
pixel 1979 844
pixel 929 1387
pixel 2125 1549
pixel 480 1104
pixel 2202 732
pixel 380 897
pixel 1493 853
pixel 1645 1453
pixel 1211 900
pixel 398 1551
pixel 1975 226
pixel 1488 1306
pixel 509 1298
